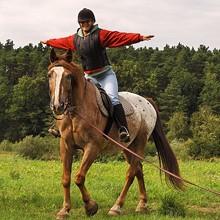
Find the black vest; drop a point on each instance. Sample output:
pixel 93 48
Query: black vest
pixel 92 54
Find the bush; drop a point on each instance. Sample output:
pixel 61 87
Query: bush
pixel 178 126
pixel 205 127
pixel 39 148
pixel 6 145
pixel 180 149
pixel 200 149
pixel 107 157
pixel 171 206
pixel 150 149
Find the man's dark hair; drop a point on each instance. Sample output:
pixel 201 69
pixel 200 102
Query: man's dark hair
pixel 86 14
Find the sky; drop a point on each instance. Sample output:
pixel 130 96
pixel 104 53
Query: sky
pixel 189 22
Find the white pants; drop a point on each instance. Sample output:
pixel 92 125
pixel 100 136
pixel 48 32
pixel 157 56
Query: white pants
pixel 109 83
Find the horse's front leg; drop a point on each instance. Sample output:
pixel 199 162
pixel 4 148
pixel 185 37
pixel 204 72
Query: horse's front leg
pixel 90 154
pixel 66 152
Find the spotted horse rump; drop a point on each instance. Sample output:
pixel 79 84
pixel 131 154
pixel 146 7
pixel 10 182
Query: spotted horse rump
pixel 136 109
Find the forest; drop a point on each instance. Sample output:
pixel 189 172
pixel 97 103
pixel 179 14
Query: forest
pixel 184 81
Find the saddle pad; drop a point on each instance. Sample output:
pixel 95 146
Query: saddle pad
pixel 128 108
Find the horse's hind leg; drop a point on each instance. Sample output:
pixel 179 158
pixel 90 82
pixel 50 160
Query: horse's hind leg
pixel 116 208
pixel 135 169
pixel 142 205
pixel 90 154
pixel 140 143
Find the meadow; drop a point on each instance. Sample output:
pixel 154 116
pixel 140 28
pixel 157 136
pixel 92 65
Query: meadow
pixel 31 189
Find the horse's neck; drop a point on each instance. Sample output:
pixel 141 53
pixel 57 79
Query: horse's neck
pixel 80 94
pixel 88 112
pixel 89 97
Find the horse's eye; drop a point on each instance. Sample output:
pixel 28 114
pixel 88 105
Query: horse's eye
pixel 69 77
pixel 49 75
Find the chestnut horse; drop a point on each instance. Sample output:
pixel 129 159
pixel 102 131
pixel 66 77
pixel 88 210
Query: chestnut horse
pixel 71 96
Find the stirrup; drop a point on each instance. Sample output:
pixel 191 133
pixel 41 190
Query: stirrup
pixel 124 134
pixel 54 132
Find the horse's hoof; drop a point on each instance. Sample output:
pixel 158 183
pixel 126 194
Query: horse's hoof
pixel 142 207
pixel 91 208
pixel 115 210
pixel 63 214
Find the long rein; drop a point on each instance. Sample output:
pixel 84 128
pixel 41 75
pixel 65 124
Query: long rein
pixel 69 112
pixel 144 159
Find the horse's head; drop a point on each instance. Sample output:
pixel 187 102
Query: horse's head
pixel 62 74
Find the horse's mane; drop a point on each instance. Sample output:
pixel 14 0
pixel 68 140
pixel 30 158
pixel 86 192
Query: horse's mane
pixel 73 67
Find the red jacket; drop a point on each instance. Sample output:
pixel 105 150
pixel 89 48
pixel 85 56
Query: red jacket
pixel 107 39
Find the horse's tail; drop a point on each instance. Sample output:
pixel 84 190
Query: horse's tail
pixel 165 153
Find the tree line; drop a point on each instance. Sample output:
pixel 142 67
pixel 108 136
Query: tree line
pixel 182 80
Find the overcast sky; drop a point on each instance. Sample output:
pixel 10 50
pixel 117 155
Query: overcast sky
pixel 190 22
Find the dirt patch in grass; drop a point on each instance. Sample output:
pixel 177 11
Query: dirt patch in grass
pixel 214 208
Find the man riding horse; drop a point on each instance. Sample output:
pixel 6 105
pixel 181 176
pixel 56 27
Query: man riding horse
pixel 91 42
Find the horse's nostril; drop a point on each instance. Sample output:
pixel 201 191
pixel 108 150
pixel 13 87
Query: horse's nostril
pixel 51 106
pixel 57 108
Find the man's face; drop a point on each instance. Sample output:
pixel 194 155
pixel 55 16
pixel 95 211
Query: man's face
pixel 86 25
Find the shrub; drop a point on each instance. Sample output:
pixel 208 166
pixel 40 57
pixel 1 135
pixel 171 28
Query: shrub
pixel 171 206
pixel 200 149
pixel 6 145
pixel 205 126
pixel 43 148
pixel 106 157
pixel 150 149
pixel 178 126
pixel 180 148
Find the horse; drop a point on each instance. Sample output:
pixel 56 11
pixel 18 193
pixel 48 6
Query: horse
pixel 72 96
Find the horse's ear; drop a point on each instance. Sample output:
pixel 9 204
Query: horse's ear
pixel 69 56
pixel 53 56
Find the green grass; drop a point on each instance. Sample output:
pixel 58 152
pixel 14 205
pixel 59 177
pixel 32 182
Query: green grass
pixel 32 190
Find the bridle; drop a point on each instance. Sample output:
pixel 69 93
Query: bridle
pixel 69 107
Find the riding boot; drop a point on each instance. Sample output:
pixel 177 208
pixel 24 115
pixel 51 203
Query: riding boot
pixel 121 122
pixel 54 131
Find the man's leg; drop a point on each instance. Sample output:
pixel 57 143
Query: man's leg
pixel 109 82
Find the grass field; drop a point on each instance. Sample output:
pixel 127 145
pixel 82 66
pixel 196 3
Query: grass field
pixel 32 190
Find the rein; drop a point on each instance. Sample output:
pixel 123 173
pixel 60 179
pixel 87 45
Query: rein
pixel 143 159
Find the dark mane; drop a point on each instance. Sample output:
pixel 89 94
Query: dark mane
pixel 73 67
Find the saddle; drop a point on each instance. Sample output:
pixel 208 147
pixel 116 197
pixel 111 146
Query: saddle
pixel 132 111
pixel 105 104
pixel 106 107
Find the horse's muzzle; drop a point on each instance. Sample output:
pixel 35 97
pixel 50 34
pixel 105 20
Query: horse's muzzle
pixel 58 109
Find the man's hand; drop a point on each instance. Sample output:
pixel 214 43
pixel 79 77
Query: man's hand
pixel 148 37
pixel 43 41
